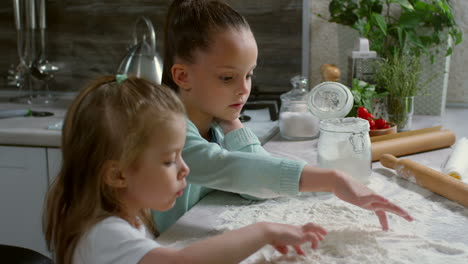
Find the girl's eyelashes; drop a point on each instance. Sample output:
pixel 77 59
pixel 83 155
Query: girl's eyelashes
pixel 226 78
pixel 169 163
pixel 172 159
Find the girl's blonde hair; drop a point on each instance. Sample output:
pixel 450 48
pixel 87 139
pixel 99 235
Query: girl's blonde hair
pixel 191 25
pixel 107 121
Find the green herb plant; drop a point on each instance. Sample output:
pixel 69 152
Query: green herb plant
pixel 364 94
pixel 397 27
pixel 401 32
pixel 400 76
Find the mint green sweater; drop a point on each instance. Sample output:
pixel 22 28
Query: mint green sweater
pixel 235 162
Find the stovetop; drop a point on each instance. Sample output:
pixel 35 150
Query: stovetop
pixel 261 124
pixel 260 114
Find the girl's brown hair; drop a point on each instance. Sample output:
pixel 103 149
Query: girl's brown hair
pixel 191 25
pixel 107 121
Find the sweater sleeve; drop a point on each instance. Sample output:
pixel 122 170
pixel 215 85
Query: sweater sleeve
pixel 249 173
pixel 243 139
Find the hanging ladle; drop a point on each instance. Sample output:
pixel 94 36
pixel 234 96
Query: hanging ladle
pixel 42 69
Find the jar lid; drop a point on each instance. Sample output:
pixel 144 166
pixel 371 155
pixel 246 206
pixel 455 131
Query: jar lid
pixel 347 124
pixel 330 100
pixel 298 92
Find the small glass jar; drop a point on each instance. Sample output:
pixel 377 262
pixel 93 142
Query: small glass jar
pixel 296 122
pixel 344 144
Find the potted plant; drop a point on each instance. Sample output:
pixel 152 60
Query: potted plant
pixel 414 27
pixel 400 75
pixel 401 32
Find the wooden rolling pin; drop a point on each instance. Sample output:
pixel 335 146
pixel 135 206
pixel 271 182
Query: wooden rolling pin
pixel 428 178
pixel 413 143
pixel 406 133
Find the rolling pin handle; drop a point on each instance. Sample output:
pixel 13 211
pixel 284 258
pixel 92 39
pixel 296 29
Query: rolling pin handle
pixel 389 161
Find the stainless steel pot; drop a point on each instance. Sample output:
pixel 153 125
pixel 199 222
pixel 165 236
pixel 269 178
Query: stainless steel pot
pixel 142 60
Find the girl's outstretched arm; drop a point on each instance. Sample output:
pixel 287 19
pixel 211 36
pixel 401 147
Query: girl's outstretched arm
pixel 234 246
pixel 350 190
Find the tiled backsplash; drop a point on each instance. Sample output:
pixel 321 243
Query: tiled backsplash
pixel 90 37
pixel 87 38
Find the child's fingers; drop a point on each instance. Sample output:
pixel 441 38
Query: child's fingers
pixel 314 239
pixel 376 202
pixel 382 219
pixel 367 200
pixel 385 205
pixel 311 227
pixel 320 236
pixel 315 233
pixel 298 249
pixel 281 249
pixel 314 243
pixel 393 208
pixel 309 232
pixel 381 209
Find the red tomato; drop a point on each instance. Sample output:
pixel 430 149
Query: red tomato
pixel 380 123
pixel 362 112
pixel 386 126
pixel 371 123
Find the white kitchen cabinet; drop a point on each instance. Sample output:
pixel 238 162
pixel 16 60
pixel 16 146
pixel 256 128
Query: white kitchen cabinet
pixel 24 178
pixel 54 161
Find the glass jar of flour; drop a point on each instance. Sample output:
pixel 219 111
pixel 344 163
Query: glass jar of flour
pixel 344 144
pixel 301 109
pixel 296 122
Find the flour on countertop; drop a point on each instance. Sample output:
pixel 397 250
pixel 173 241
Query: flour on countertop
pixel 354 234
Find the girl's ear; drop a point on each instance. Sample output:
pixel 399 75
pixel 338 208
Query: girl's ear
pixel 113 175
pixel 180 76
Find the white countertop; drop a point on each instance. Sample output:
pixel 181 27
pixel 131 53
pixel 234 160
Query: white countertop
pixel 448 222
pixel 445 223
pixel 33 131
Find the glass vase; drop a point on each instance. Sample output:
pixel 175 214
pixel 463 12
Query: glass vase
pixel 400 111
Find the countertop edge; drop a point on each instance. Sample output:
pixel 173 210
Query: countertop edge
pixel 47 138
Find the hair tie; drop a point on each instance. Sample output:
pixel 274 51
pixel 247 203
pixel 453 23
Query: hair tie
pixel 119 78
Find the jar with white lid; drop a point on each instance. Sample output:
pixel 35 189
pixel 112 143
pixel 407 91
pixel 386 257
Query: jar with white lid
pixel 330 100
pixel 296 122
pixel 344 144
pixel 301 109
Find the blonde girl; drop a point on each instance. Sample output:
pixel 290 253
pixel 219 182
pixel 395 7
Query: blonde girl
pixel 122 142
pixel 209 59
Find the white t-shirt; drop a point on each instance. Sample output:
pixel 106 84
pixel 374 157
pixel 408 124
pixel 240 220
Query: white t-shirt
pixel 114 241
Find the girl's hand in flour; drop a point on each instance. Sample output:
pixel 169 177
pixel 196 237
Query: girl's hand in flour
pixel 229 125
pixel 236 245
pixel 314 179
pixel 351 191
pixel 282 235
